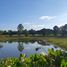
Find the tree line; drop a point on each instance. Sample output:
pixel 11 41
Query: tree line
pixel 56 31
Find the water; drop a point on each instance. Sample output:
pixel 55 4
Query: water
pixel 14 49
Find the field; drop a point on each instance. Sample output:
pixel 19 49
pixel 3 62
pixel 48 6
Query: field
pixel 62 42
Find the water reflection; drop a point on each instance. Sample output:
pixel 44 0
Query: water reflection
pixel 37 48
pixel 55 46
pixel 15 48
pixel 20 46
pixel 32 41
pixel 1 46
pixel 10 41
pixel 43 42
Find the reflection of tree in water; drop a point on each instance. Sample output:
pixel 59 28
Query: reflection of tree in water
pixel 1 46
pixel 10 41
pixel 32 41
pixel 20 46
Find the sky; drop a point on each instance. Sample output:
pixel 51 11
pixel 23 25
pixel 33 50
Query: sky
pixel 32 14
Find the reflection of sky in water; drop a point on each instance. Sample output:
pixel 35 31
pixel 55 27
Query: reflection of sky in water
pixel 15 49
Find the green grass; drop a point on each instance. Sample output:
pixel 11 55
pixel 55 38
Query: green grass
pixel 62 42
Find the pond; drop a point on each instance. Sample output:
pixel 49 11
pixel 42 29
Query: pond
pixel 14 49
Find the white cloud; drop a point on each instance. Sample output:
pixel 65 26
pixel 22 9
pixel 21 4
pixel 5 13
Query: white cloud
pixel 47 17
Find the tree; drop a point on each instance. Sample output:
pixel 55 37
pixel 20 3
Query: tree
pixel 63 30
pixel 1 32
pixel 49 32
pixel 20 29
pixel 56 30
pixel 43 31
pixel 32 32
pixel 5 32
pixel 10 32
pixel 26 32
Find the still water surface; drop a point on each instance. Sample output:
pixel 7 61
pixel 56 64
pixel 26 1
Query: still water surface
pixel 14 49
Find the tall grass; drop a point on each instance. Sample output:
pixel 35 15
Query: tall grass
pixel 62 42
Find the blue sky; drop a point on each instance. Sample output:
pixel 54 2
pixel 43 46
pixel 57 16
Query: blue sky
pixel 36 14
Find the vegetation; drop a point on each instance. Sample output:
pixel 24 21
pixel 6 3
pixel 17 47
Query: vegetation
pixel 56 31
pixel 20 29
pixel 53 59
pixel 62 42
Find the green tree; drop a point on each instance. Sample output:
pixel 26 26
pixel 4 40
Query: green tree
pixel 56 30
pixel 10 33
pixel 64 30
pixel 20 29
pixel 26 33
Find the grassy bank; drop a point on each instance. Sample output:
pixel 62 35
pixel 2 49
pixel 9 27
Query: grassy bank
pixel 62 42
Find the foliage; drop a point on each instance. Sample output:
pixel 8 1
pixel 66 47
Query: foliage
pixel 26 33
pixel 20 29
pixel 56 58
pixel 56 31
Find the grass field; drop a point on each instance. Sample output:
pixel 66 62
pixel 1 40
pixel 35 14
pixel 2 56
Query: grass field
pixel 62 42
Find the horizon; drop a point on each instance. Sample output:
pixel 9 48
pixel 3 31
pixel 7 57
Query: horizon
pixel 32 14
